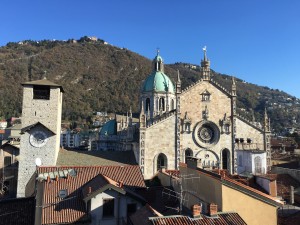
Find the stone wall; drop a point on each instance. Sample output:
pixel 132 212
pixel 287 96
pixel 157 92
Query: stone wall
pixel 219 110
pixel 159 138
pixel 245 131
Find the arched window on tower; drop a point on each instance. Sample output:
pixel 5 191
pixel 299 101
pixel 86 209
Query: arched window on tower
pixel 162 161
pixel 147 104
pixel 172 104
pixel 162 104
pixel 188 154
pixel 258 165
pixel 225 159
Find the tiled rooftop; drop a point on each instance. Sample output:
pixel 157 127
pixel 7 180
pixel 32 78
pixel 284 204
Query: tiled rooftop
pixel 141 217
pixel 56 210
pixel 219 219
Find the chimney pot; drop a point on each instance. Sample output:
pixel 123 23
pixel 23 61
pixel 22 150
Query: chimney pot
pixel 213 209
pixel 196 210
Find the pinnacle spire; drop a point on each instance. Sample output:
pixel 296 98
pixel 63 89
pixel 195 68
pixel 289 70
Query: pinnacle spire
pixel 204 51
pixel 205 66
pixel 178 77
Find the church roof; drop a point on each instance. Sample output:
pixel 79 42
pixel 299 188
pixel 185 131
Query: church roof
pixel 109 128
pixel 99 158
pixel 159 82
pixel 43 82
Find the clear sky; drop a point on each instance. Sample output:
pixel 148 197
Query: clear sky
pixel 255 40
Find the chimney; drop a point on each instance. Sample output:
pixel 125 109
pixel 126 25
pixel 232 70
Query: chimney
pixel 292 198
pixel 121 184
pixel 273 188
pixel 196 210
pixel 213 209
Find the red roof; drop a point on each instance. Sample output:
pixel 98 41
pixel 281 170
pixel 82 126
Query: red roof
pixel 219 219
pixel 56 210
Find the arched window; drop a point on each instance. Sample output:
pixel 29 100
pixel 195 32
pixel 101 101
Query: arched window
pixel 225 159
pixel 162 161
pixel 257 163
pixel 188 153
pixel 147 104
pixel 172 104
pixel 162 104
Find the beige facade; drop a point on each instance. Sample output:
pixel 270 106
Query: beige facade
pixel 203 187
pixel 252 210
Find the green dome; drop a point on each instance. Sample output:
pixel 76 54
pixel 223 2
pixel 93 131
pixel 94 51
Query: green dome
pixel 158 81
pixel 109 128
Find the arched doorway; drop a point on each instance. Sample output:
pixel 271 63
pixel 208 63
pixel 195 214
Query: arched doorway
pixel 188 153
pixel 162 161
pixel 257 164
pixel 225 159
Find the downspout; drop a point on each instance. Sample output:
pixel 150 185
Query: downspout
pixel 118 210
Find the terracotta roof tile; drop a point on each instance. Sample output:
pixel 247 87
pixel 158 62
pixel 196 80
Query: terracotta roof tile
pixel 174 173
pixel 141 216
pixel 56 210
pixel 219 219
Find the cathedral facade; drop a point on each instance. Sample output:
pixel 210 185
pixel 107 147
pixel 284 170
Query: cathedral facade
pixel 200 122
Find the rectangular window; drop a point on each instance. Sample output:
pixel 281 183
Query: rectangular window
pixel 131 208
pixel 41 92
pixel 7 161
pixel 108 207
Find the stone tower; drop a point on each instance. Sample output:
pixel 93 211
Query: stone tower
pixel 40 134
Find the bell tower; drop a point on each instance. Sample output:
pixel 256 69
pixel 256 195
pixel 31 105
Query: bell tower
pixel 40 133
pixel 205 67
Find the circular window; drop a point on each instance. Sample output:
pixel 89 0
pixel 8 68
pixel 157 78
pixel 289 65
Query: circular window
pixel 206 133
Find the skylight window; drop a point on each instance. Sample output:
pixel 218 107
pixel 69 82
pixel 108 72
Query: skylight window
pixel 63 193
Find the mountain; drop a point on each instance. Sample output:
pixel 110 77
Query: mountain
pixel 97 76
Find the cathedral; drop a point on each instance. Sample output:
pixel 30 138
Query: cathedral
pixel 200 122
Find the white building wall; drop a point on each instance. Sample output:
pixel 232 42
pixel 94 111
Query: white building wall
pixel 120 208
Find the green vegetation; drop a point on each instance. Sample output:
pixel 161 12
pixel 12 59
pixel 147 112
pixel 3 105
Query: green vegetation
pixel 100 77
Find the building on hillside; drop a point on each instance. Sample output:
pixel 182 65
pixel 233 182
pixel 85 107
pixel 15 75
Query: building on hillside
pixel 200 121
pixel 3 124
pixel 119 134
pixel 69 139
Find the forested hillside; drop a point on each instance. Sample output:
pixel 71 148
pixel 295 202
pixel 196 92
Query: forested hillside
pixel 97 76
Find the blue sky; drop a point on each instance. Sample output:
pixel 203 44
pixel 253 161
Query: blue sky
pixel 255 40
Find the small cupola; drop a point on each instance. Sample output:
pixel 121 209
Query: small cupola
pixel 158 63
